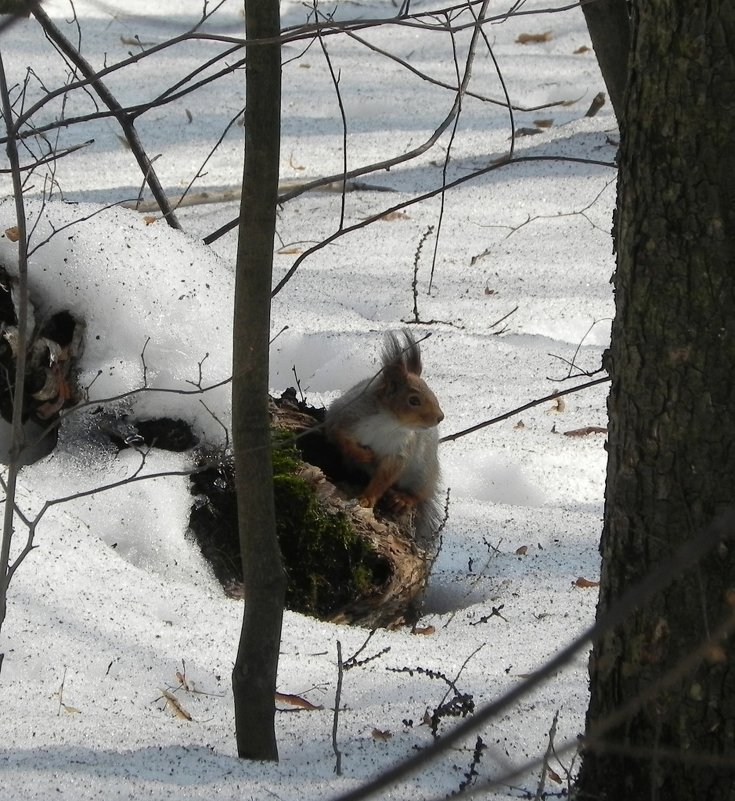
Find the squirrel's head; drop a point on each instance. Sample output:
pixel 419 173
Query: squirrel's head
pixel 405 394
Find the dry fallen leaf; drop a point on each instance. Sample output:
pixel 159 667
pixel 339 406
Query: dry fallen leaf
pixel 13 233
pixel 583 582
pixel 424 630
pixel 71 709
pixel 543 123
pixel 525 132
pixel 296 700
pixel 559 405
pixel 293 164
pixel 290 251
pixel 175 704
pixel 583 49
pixel 535 38
pixel 553 775
pixel 381 735
pixel 181 678
pixel 519 425
pixel 583 432
pixel 395 215
pixel 149 219
pixel 598 101
pixel 522 551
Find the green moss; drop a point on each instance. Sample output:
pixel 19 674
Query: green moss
pixel 327 564
pixel 285 455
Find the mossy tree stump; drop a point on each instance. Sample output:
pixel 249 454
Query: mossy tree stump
pixel 344 563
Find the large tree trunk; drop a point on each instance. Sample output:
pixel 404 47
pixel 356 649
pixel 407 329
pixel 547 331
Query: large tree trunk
pixel 254 673
pixel 671 465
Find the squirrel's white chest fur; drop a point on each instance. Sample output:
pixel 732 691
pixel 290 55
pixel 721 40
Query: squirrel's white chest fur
pixel 384 434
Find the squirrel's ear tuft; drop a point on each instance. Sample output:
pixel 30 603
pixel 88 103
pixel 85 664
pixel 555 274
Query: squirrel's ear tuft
pixel 407 355
pixel 392 350
pixel 412 354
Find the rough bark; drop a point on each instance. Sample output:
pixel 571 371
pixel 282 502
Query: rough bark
pixel 608 23
pixel 671 468
pixel 254 673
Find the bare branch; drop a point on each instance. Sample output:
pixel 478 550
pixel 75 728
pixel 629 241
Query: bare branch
pixel 530 405
pixel 335 80
pixel 335 718
pixel 451 88
pixel 547 756
pixel 503 162
pixel 462 84
pixel 124 119
pixel 722 529
pixel 137 476
pixel 52 157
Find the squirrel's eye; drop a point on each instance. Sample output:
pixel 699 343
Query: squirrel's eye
pixel 414 400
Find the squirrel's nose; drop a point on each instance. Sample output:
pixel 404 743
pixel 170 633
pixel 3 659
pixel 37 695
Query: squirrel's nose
pixel 439 417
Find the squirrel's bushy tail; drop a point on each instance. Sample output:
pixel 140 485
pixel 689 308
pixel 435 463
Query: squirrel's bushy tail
pixel 428 522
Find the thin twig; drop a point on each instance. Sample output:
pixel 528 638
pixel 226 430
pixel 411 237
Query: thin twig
pixel 385 164
pixel 547 757
pixel 415 282
pixel 503 162
pixel 721 530
pixel 343 116
pixel 288 36
pixel 124 119
pixel 572 364
pixel 505 103
pixel 184 196
pixel 335 719
pixel 137 476
pixel 519 409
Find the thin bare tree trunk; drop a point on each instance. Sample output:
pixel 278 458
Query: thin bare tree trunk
pixel 17 440
pixel 254 674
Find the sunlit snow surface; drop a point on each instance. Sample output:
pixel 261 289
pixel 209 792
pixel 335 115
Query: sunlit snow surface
pixel 114 600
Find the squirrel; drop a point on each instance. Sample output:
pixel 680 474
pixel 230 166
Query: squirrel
pixel 386 427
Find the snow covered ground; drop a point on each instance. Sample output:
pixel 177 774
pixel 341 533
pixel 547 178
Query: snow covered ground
pixel 115 605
